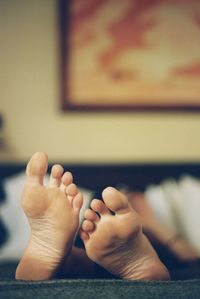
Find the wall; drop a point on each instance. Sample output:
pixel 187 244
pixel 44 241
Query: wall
pixel 29 101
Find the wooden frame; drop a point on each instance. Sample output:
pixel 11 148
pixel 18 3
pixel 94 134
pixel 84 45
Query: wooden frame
pixel 146 58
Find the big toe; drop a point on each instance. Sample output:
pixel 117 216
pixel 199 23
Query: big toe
pixel 115 200
pixel 37 167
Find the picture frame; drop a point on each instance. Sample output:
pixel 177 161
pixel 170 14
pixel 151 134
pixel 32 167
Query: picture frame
pixel 130 55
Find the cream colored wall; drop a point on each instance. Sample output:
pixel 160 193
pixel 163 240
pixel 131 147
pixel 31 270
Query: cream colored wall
pixel 29 101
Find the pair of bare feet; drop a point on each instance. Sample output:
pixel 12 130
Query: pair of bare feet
pixel 111 232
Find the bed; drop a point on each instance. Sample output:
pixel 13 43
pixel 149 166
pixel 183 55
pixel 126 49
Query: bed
pixel 185 282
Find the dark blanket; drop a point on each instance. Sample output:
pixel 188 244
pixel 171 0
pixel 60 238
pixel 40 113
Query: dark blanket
pixel 93 288
pixel 63 289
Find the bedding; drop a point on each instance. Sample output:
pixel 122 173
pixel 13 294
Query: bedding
pixel 185 279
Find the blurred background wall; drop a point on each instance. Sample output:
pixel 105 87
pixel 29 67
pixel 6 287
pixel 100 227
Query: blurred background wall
pixel 30 103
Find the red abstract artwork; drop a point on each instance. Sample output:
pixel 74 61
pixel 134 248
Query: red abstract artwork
pixel 130 54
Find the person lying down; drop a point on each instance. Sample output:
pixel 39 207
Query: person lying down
pixel 111 231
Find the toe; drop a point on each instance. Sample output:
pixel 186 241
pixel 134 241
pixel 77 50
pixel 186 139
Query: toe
pixel 115 200
pixel 91 215
pixel 56 174
pixel 99 207
pixel 77 202
pixel 72 190
pixel 37 167
pixel 84 236
pixel 88 226
pixel 66 180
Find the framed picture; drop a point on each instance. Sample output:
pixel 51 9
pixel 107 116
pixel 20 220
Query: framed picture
pixel 130 55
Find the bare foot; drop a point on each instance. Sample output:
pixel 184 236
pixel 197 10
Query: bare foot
pixel 113 238
pixel 53 215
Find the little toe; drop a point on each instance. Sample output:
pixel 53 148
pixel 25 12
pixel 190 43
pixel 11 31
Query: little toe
pixel 91 215
pixel 37 167
pixel 84 236
pixel 77 202
pixel 115 200
pixel 99 207
pixel 88 226
pixel 56 174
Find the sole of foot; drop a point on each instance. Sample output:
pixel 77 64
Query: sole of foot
pixel 53 215
pixel 113 238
